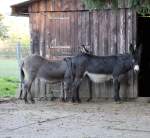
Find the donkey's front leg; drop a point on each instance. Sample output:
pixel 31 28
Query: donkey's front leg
pixel 116 88
pixel 75 90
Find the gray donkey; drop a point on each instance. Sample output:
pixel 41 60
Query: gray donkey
pixel 102 68
pixel 35 66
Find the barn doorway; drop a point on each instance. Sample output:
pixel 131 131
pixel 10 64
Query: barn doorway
pixel 143 36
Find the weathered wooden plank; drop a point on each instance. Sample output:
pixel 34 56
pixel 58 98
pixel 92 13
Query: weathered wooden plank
pixel 58 5
pixel 31 31
pixel 121 31
pixel 121 3
pixel 35 7
pixel 35 34
pixel 79 30
pixel 49 5
pixel 36 88
pixel 42 5
pixel 47 33
pixel 95 32
pixel 72 32
pixel 91 32
pixel 37 41
pixel 68 38
pixel 113 32
pixel 80 5
pixel 87 29
pixel 57 28
pixel 106 34
pixel 61 30
pixel 128 3
pixel 42 91
pixel 75 32
pixel 83 36
pixel 102 31
pixel 42 35
pixel 66 5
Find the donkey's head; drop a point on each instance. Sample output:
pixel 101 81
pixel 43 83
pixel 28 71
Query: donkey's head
pixel 136 56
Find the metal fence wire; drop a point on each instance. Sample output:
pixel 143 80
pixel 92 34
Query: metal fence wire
pixel 12 52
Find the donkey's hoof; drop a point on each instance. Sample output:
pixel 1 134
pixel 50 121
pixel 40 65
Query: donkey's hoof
pixel 33 101
pixel 26 102
pixel 53 98
pixel 62 100
pixel 88 100
pixel 20 98
pixel 118 102
pixel 73 100
pixel 79 101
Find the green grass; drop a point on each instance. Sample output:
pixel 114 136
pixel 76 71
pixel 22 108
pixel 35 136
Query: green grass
pixel 9 76
pixel 8 87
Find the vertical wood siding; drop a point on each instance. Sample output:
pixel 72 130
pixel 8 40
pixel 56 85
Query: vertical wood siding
pixel 59 34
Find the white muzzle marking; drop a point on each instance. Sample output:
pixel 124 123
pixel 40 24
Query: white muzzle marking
pixel 136 68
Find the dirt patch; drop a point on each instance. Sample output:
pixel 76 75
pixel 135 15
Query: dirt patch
pixel 86 120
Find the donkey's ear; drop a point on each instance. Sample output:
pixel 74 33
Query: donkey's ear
pixel 131 48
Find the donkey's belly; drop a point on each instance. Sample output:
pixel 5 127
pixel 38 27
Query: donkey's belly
pixel 98 78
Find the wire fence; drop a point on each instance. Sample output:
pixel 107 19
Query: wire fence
pixel 11 52
pixel 10 58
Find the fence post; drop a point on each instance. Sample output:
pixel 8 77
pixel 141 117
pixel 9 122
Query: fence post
pixel 18 56
pixel 18 52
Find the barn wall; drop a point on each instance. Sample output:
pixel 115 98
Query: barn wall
pixel 68 5
pixel 56 35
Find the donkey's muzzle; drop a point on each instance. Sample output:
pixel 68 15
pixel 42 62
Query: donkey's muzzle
pixel 136 68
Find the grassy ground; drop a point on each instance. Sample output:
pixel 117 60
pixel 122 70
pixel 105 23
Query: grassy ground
pixel 9 75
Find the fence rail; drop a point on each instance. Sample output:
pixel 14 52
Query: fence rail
pixel 11 51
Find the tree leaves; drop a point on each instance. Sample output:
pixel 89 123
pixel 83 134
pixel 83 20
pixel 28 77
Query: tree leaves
pixel 3 28
pixel 142 6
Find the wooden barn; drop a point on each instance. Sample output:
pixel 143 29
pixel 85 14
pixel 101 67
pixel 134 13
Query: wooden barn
pixel 59 27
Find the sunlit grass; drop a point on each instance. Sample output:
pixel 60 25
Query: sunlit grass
pixel 9 76
pixel 8 86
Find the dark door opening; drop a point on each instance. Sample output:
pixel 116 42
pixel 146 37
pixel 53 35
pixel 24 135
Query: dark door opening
pixel 143 36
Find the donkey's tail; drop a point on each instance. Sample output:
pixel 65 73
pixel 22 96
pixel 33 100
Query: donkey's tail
pixel 22 75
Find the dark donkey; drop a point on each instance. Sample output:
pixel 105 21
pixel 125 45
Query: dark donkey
pixel 35 66
pixel 102 68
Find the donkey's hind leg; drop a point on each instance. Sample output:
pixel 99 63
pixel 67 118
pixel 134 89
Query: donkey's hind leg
pixel 90 90
pixel 116 85
pixel 27 89
pixel 75 90
pixel 26 92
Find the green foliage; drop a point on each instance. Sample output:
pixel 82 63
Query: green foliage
pixel 142 6
pixel 8 86
pixel 15 37
pixel 94 4
pixel 3 28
